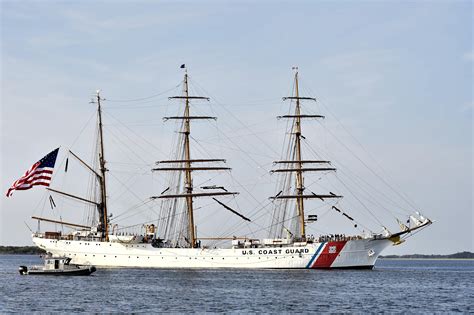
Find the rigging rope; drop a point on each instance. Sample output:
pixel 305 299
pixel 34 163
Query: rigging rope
pixel 147 97
pixel 370 169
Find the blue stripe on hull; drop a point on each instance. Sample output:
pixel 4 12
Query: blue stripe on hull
pixel 315 255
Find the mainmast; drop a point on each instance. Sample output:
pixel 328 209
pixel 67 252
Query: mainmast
pixel 296 164
pixel 188 182
pixel 188 164
pixel 103 192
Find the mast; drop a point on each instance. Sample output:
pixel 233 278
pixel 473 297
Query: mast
pixel 103 192
pixel 188 181
pixel 103 226
pixel 295 165
pixel 188 164
pixel 299 165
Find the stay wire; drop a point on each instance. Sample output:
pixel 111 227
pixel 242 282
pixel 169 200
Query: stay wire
pixel 235 117
pixel 145 98
pixel 376 162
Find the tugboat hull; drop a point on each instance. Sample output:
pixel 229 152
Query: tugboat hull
pixel 80 271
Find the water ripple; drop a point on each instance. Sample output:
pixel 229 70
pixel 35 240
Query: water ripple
pixel 395 286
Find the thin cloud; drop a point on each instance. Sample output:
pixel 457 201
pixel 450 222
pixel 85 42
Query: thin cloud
pixel 469 56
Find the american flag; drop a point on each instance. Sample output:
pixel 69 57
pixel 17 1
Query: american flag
pixel 39 174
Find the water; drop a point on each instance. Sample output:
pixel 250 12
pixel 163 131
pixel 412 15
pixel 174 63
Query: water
pixel 396 286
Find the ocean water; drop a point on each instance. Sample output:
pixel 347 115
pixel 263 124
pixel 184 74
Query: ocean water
pixel 394 286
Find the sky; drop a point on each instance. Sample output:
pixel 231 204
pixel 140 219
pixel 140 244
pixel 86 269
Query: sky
pixel 394 80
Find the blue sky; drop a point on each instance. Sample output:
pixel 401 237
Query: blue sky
pixel 397 74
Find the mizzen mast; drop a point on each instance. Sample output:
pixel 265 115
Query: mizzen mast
pixel 103 191
pixel 103 226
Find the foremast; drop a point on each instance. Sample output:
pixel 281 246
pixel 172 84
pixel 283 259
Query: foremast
pixel 299 173
pixel 295 164
pixel 188 164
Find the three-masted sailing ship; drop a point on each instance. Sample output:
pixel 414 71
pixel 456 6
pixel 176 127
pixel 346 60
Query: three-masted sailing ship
pixel 174 241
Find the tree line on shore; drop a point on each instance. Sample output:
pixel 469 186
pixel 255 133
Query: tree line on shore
pixel 22 250
pixel 460 255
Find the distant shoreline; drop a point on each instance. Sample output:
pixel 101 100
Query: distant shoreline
pixel 460 255
pixel 21 250
pixel 33 250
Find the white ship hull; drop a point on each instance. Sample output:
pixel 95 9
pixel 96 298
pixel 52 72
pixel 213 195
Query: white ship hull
pixel 361 253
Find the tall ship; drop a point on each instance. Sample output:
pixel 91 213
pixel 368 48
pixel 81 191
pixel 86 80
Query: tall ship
pixel 173 240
